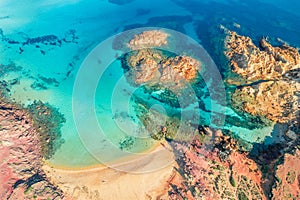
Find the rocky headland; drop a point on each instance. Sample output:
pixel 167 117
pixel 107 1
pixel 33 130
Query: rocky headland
pixel 212 166
pixel 268 83
pixel 214 171
pixel 21 173
pixel 263 82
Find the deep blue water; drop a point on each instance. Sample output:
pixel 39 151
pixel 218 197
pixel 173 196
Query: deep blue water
pixel 52 38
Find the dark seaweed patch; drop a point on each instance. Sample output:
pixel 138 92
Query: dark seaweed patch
pixel 48 121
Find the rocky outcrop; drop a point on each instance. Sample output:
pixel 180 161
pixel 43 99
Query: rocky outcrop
pixel 21 175
pixel 202 174
pixel 48 122
pixel 148 39
pixel 150 66
pixel 270 63
pixel 275 100
pixel 270 78
pixel 288 178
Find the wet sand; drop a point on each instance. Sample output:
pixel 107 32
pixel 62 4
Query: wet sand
pixel 145 177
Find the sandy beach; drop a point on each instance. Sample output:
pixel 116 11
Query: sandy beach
pixel 145 177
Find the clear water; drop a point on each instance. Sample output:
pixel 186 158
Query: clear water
pixel 96 20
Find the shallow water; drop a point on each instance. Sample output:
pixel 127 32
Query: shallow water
pixel 81 24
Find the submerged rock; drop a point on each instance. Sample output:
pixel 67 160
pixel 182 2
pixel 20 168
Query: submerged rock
pixel 48 121
pixel 120 2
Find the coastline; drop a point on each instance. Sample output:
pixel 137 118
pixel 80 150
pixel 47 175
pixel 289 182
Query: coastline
pixel 107 182
pixel 21 165
pixel 118 161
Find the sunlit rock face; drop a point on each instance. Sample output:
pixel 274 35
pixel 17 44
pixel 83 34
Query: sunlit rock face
pixel 273 99
pixel 147 64
pixel 270 78
pixel 253 64
pixel 148 39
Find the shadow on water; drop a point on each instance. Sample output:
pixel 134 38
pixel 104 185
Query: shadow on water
pixel 270 153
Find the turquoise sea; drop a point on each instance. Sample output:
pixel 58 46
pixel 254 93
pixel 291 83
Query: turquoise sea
pixel 54 43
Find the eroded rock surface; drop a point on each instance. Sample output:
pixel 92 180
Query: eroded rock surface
pixel 288 178
pixel 21 175
pixel 147 39
pixel 254 64
pixel 275 100
pixel 270 84
pixel 172 73
pixel 204 174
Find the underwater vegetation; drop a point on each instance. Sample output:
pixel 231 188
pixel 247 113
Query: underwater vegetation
pixel 48 121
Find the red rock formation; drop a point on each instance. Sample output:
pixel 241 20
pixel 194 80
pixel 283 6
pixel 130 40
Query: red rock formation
pixel 21 176
pixel 203 175
pixel 288 178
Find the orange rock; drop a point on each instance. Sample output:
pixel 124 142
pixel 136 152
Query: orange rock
pixel 146 39
pixel 273 70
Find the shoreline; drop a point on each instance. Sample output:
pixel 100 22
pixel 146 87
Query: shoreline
pixel 116 162
pixel 140 178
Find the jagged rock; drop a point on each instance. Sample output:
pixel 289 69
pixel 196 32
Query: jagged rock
pixel 203 175
pixel 21 175
pixel 155 67
pixel 253 64
pixel 151 67
pixel 275 100
pixel 270 78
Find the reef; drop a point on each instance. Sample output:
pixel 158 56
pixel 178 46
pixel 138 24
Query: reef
pixel 39 42
pixel 21 173
pixel 268 81
pixel 11 67
pixel 48 121
pixel 164 126
pixel 126 143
